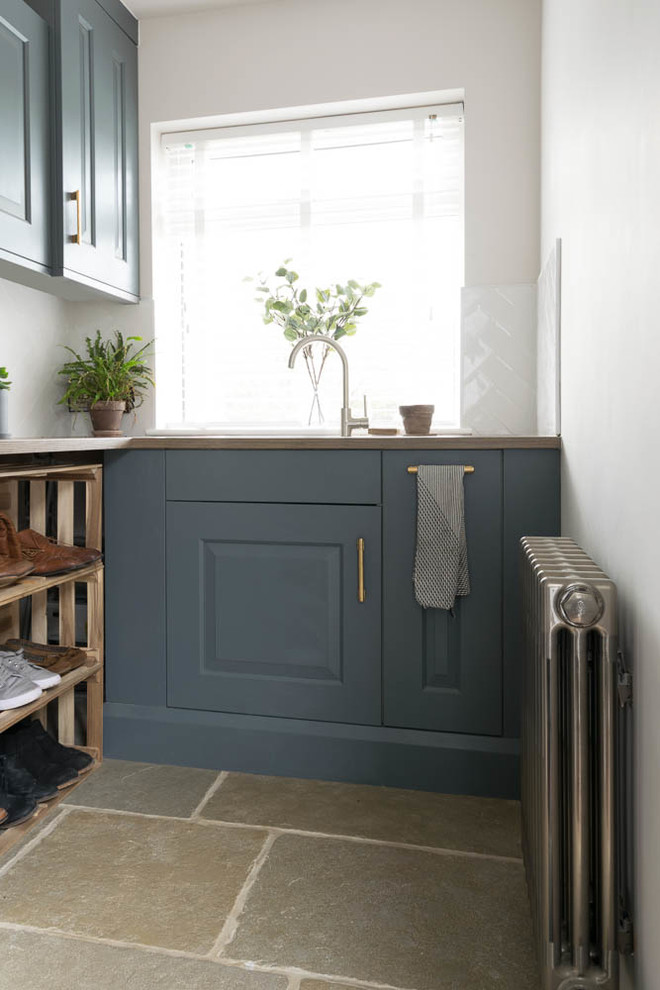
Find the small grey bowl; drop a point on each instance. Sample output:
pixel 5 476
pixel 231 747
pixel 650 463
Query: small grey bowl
pixel 417 419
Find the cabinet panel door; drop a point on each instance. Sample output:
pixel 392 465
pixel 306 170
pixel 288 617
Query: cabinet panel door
pixel 99 147
pixel 24 135
pixel 443 671
pixel 263 610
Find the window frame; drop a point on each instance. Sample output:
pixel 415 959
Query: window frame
pixel 304 119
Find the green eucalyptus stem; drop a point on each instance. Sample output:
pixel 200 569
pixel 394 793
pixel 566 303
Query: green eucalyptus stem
pixel 335 313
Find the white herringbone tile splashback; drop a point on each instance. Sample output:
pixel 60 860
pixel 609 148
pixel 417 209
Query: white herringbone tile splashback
pixel 498 327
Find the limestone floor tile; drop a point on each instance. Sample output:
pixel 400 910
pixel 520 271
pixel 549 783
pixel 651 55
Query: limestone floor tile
pixel 323 985
pixel 29 961
pixel 146 880
pixel 144 787
pixel 403 917
pixel 29 836
pixel 484 825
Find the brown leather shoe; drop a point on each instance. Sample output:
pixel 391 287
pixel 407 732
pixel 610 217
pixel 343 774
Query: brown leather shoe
pixel 13 565
pixel 49 557
pixel 59 659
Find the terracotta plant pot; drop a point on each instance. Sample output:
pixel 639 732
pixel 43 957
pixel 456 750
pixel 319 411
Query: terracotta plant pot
pixel 417 419
pixel 106 418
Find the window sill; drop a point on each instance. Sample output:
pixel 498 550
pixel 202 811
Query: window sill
pixel 269 431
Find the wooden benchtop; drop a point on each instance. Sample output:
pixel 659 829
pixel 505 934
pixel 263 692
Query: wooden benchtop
pixel 54 445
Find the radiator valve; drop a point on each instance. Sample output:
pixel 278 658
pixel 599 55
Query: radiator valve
pixel 580 605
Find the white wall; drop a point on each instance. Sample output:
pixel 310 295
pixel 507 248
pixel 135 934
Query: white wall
pixel 601 195
pixel 32 327
pixel 33 330
pixel 295 52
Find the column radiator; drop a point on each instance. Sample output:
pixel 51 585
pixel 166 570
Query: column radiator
pixel 568 763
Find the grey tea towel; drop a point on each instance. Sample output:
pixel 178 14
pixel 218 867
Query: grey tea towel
pixel 441 568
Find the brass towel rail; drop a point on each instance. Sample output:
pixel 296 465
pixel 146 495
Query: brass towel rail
pixel 413 469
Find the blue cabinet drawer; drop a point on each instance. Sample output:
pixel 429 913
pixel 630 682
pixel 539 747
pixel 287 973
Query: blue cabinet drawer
pixel 330 477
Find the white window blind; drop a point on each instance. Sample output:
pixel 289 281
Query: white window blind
pixel 370 197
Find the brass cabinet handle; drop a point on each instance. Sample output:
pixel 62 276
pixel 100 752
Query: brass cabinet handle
pixel 77 237
pixel 360 552
pixel 413 469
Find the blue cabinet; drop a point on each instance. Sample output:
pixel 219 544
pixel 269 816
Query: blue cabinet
pixel 97 215
pixel 68 147
pixel 24 139
pixel 235 633
pixel 443 671
pixel 265 614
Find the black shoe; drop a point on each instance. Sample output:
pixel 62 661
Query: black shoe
pixel 30 756
pixel 54 752
pixel 19 807
pixel 17 780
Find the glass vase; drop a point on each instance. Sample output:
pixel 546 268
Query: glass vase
pixel 315 362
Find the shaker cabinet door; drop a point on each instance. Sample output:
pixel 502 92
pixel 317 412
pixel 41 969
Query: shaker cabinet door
pixel 98 67
pixel 24 137
pixel 443 671
pixel 264 616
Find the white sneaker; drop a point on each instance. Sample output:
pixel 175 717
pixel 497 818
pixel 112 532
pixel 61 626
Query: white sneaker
pixel 16 690
pixel 14 660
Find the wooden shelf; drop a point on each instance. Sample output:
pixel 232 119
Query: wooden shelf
pixel 68 682
pixel 61 472
pixel 9 837
pixel 33 585
pixel 26 488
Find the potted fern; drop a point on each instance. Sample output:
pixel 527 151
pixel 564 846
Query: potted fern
pixel 110 380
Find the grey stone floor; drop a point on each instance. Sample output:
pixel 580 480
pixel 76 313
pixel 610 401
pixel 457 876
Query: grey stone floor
pixel 159 878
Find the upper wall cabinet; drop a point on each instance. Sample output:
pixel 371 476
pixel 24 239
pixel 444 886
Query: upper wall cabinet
pixel 68 147
pixel 24 138
pixel 97 216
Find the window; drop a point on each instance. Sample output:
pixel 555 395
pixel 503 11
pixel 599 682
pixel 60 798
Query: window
pixel 367 196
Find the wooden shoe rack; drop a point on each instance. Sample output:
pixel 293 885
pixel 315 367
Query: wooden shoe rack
pixel 15 482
